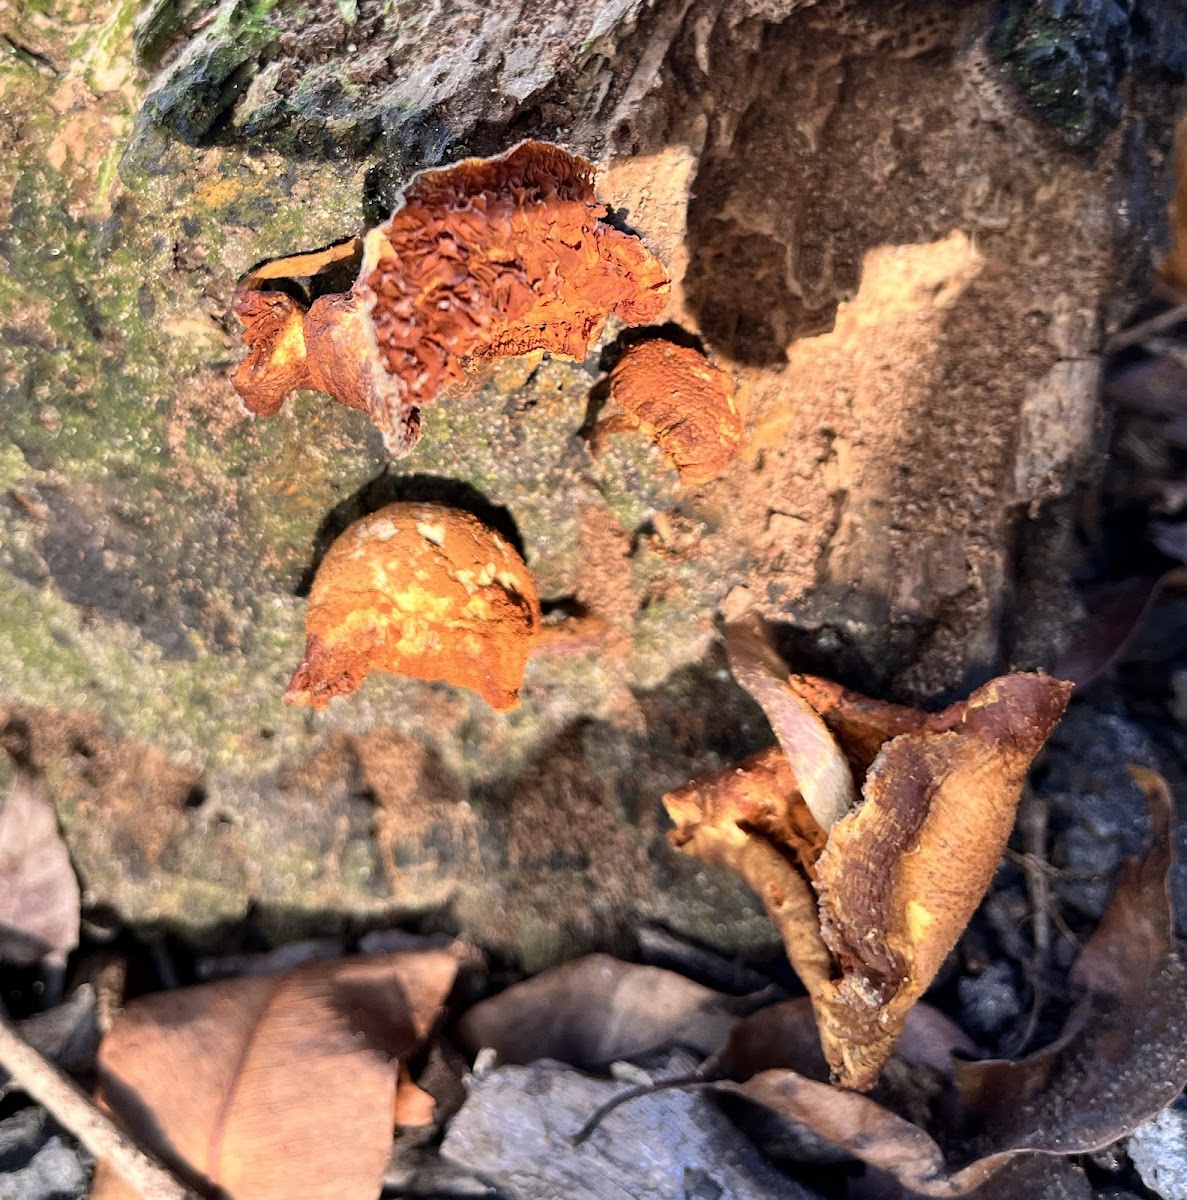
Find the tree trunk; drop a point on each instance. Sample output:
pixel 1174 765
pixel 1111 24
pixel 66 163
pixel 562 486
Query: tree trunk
pixel 905 229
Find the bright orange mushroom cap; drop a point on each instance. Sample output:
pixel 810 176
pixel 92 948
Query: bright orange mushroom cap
pixel 683 402
pixel 424 591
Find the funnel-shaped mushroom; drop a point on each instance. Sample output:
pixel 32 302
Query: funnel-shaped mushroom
pixel 868 899
pixel 419 590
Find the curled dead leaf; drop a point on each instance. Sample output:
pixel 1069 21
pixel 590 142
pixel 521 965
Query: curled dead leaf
pixel 1121 1059
pixel 274 1086
pixel 39 894
pixel 482 259
pixel 678 398
pixel 871 899
pixel 420 590
pixel 597 1009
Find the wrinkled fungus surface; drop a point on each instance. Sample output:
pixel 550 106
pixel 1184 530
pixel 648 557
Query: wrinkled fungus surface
pixel 424 591
pixel 683 402
pixel 480 260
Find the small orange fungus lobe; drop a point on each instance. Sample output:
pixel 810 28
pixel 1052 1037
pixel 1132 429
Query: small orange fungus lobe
pixel 683 402
pixel 420 590
pixel 480 260
pixel 275 362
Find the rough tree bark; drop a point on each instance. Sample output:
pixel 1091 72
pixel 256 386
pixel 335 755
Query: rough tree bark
pixel 906 228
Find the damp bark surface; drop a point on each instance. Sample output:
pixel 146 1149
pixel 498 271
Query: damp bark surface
pixel 902 250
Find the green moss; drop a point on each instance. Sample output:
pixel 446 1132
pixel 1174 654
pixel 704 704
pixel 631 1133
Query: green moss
pixel 197 708
pixel 205 80
pixel 106 48
pixel 1068 61
pixel 13 468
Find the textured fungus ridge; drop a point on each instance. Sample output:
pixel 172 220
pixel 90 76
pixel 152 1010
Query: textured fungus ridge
pixel 682 401
pixel 486 258
pixel 424 591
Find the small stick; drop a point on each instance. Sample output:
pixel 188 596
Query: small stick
pixel 1032 820
pixel 74 1109
pixel 695 1079
pixel 1145 329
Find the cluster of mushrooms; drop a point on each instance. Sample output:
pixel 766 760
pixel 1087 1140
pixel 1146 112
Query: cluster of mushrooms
pixel 481 260
pixel 871 831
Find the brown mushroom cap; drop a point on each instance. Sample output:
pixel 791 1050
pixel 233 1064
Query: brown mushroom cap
pixel 683 402
pixel 424 591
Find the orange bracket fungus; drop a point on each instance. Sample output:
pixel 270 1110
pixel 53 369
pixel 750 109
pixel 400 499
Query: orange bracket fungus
pixel 424 591
pixel 680 400
pixel 870 879
pixel 482 259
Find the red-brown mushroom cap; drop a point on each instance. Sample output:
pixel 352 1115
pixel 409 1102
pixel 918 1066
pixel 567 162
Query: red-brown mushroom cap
pixel 482 259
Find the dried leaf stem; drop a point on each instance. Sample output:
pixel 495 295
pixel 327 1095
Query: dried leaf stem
pixel 1151 327
pixel 75 1110
pixel 691 1080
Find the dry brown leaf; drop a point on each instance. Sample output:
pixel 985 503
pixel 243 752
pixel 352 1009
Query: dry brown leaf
pixel 1122 1058
pixel 1113 626
pixel 868 907
pixel 597 1009
pixel 39 895
pixel 424 591
pixel 483 259
pixel 274 1086
pixel 785 1035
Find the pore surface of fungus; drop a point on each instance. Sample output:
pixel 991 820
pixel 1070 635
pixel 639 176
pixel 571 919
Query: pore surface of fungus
pixel 420 590
pixel 486 258
pixel 679 399
pixel 870 900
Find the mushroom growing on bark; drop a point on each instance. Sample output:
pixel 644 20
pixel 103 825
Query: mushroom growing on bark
pixel 680 400
pixel 420 590
pixel 480 260
pixel 870 833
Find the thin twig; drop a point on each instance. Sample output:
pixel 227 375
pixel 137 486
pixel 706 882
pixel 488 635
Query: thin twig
pixel 1032 822
pixel 1065 929
pixel 695 1079
pixel 72 1108
pixel 1145 329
